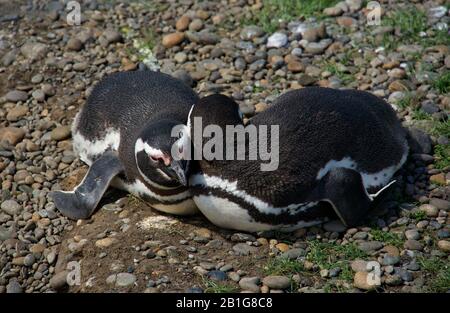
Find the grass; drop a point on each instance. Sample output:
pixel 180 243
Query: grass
pixel 442 156
pixel 442 84
pixel 283 266
pixel 439 272
pixel 386 237
pixel 418 215
pixel 336 70
pixel 211 286
pixel 328 255
pixel 274 11
pixel 412 23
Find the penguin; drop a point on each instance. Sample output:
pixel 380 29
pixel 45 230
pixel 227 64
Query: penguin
pixel 338 151
pixel 124 133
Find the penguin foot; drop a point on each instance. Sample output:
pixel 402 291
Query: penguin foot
pixel 81 203
pixel 343 188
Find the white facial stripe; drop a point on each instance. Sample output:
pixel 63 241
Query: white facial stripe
pixel 189 124
pixel 231 188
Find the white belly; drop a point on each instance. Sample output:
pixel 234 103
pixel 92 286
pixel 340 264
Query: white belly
pixel 228 214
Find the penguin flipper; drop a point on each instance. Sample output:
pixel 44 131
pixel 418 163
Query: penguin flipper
pixel 81 202
pixel 343 188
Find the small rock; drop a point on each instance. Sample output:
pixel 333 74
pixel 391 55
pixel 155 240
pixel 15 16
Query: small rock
pixel 34 50
pixel 182 23
pixel 74 44
pixel 13 287
pixel 370 246
pixel 430 210
pixel 59 280
pixel 277 40
pixel 125 279
pixel 412 234
pixel 173 39
pixel 282 247
pixel 105 242
pixel 217 275
pixel 411 244
pixel 293 254
pixel 241 237
pixel 60 133
pixel 250 284
pixel 244 249
pixel 362 281
pixel 16 96
pixel 440 204
pixel 251 32
pixel 11 207
pixel 277 282
pixel 444 245
pixel 390 259
pixel 112 36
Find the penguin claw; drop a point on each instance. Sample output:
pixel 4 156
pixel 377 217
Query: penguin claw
pixel 71 205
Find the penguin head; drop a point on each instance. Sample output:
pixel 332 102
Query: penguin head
pixel 159 153
pixel 216 109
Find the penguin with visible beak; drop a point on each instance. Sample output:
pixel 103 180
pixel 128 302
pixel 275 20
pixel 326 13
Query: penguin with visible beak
pixel 125 134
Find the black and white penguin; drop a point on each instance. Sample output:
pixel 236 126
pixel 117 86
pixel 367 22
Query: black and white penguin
pixel 338 150
pixel 124 133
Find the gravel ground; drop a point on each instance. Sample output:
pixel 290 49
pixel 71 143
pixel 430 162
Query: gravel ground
pixel 252 51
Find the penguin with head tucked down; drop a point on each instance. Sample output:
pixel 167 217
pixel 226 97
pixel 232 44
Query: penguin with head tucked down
pixel 338 150
pixel 125 134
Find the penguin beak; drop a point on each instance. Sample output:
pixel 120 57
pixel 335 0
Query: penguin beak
pixel 180 168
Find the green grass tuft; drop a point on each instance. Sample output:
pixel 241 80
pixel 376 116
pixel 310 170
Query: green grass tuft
pixel 417 215
pixel 329 255
pixel 274 11
pixel 412 24
pixel 439 274
pixel 442 156
pixel 283 266
pixel 442 84
pixel 386 237
pixel 211 286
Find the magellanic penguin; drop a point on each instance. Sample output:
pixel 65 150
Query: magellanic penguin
pixel 338 150
pixel 124 133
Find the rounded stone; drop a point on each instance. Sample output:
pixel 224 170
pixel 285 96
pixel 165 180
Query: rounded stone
pixel 125 279
pixel 60 133
pixel 277 282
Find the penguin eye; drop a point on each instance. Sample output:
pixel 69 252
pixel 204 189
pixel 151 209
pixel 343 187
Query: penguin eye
pixel 180 134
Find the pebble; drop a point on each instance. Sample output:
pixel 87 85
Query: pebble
pixel 11 207
pixel 362 281
pixel 105 242
pixel 277 40
pixel 125 279
pixel 182 23
pixel 14 287
pixel 61 133
pixel 217 275
pixel 74 44
pixel 412 234
pixel 172 40
pixel 241 237
pixel 59 280
pixel 277 282
pixel 444 245
pixel 430 210
pixel 293 254
pixel 250 284
pixel 16 96
pixel 440 204
pixel 411 244
pixel 251 32
pixel 370 246
pixel 244 249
